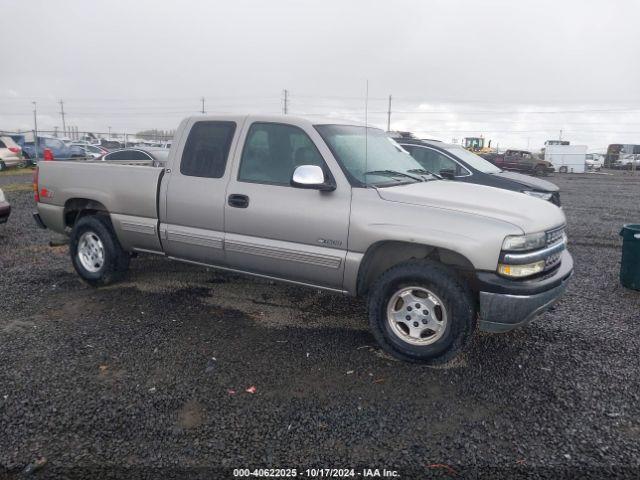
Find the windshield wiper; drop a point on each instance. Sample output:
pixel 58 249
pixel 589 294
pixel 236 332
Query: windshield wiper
pixel 393 173
pixel 424 171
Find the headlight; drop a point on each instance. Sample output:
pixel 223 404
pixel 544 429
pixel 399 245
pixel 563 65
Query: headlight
pixel 519 271
pixel 524 242
pixel 542 195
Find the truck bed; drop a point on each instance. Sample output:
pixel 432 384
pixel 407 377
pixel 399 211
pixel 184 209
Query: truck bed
pixel 128 192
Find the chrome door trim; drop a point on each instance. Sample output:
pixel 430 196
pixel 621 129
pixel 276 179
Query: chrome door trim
pixel 192 236
pixel 327 261
pixel 130 226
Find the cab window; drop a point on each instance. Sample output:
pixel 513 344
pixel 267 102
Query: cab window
pixel 272 151
pixel 434 161
pixel 207 149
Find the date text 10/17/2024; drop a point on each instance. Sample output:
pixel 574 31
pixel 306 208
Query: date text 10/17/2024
pixel 316 472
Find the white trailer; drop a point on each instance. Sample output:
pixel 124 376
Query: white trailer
pixel 567 158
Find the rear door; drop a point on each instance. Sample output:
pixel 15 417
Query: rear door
pixel 511 161
pixel 278 230
pixel 193 194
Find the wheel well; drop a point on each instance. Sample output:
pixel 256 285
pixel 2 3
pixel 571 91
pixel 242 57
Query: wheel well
pixel 76 208
pixel 381 256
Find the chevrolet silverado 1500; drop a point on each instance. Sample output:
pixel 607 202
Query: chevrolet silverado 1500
pixel 326 204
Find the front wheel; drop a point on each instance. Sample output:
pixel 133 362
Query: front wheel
pixel 540 171
pixel 419 311
pixel 95 251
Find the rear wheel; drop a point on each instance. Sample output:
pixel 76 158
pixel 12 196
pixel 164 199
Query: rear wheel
pixel 95 251
pixel 3 166
pixel 563 169
pixel 420 312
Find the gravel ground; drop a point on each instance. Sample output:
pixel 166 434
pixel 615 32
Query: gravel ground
pixel 138 379
pixel 9 177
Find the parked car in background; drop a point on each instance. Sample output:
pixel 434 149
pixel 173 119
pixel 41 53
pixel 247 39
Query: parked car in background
pixel 110 144
pixel 622 156
pixel 155 156
pixel 5 208
pixel 519 161
pixel 457 163
pixel 10 153
pixel 59 149
pixel 90 151
pixel 594 162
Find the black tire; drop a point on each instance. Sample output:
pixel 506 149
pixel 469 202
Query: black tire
pixel 457 299
pixel 539 171
pixel 116 260
pixel 3 166
pixel 563 169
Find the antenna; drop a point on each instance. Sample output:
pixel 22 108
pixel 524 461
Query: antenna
pixel 366 128
pixel 64 125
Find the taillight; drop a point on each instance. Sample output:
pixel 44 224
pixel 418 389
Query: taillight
pixel 14 149
pixel 48 154
pixel 36 194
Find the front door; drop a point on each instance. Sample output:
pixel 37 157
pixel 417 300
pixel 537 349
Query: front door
pixel 192 215
pixel 274 229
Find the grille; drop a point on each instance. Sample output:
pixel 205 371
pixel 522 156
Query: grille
pixel 554 236
pixel 552 261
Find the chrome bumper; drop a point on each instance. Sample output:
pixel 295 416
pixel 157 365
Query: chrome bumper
pixel 501 312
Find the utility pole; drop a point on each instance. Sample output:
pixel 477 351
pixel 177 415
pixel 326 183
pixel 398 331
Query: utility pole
pixel 285 102
pixel 35 126
pixel 64 127
pixel 389 115
pixel 202 111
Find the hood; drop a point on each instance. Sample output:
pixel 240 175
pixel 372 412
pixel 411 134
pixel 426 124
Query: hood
pixel 528 213
pixel 528 182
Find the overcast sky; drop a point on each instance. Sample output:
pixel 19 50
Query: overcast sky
pixel 455 68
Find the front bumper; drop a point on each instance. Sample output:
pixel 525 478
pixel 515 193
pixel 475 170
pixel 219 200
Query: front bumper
pixel 504 307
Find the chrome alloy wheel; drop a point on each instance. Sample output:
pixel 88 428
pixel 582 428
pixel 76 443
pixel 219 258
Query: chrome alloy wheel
pixel 91 252
pixel 417 316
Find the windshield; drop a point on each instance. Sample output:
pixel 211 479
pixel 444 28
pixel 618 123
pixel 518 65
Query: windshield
pixel 473 160
pixel 380 161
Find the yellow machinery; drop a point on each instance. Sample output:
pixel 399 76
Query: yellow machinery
pixel 477 145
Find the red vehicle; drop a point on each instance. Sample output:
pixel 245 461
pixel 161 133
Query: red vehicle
pixel 520 161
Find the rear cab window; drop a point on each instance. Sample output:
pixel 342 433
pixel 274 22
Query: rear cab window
pixel 207 149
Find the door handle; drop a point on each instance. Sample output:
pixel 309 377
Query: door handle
pixel 238 201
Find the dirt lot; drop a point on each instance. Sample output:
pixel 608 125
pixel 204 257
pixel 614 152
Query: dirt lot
pixel 150 377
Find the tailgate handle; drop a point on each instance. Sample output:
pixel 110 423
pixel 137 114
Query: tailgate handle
pixel 238 201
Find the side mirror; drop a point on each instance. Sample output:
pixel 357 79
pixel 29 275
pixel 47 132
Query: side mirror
pixel 311 177
pixel 448 174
